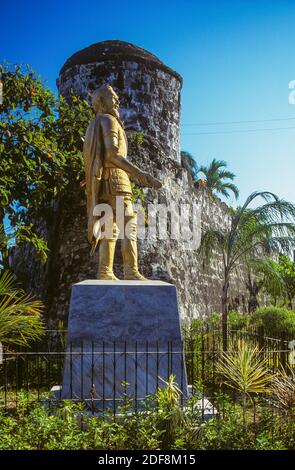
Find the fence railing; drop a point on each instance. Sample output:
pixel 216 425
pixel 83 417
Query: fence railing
pixel 108 374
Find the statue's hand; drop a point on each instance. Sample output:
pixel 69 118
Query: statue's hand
pixel 82 184
pixel 148 181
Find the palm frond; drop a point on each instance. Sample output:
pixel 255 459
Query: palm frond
pixel 189 162
pixel 222 190
pixel 213 167
pixel 210 241
pixel 20 314
pixel 273 211
pixel 244 209
pixel 6 283
pixel 283 388
pixel 226 174
pixel 216 176
pixel 233 188
pixel 252 228
pixel 267 268
pixel 217 164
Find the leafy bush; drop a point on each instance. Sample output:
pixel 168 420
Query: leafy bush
pixel 162 425
pixel 228 431
pixel 237 321
pixel 214 321
pixel 275 321
pixel 159 424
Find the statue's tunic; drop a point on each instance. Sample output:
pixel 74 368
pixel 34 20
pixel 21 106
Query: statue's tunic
pixel 104 181
pixel 115 182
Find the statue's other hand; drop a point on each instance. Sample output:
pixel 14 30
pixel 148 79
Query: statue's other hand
pixel 148 181
pixel 82 184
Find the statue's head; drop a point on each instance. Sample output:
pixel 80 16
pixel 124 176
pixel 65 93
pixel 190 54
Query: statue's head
pixel 105 100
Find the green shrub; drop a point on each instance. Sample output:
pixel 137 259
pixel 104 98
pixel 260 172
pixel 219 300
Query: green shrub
pixel 160 423
pixel 276 321
pixel 163 425
pixel 214 320
pixel 228 432
pixel 236 321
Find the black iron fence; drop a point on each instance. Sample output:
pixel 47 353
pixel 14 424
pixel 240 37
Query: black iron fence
pixel 106 375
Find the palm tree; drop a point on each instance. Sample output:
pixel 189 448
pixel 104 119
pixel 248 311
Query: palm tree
pixel 263 274
pixel 20 314
pixel 218 178
pixel 252 232
pixel 189 163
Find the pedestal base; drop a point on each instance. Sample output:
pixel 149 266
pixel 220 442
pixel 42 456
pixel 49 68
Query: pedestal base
pixel 124 340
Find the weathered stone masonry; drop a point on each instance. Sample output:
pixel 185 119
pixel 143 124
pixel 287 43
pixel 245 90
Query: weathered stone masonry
pixel 149 93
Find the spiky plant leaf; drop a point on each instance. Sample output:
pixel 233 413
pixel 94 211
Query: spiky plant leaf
pixel 244 370
pixel 283 388
pixel 20 314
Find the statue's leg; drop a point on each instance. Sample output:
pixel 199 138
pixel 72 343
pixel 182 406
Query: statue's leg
pixel 129 250
pixel 107 248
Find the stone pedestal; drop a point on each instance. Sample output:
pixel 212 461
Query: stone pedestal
pixel 124 338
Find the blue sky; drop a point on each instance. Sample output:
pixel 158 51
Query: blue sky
pixel 236 58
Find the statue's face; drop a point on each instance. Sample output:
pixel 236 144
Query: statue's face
pixel 111 103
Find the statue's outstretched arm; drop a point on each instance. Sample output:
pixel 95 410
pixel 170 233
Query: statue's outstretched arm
pixel 110 134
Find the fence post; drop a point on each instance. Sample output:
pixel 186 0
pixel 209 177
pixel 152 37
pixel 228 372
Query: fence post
pixel 261 337
pixel 284 350
pixel 203 371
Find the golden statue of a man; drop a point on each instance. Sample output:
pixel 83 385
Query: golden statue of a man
pixel 108 174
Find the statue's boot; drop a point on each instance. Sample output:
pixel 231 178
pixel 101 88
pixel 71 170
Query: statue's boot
pixel 107 248
pixel 129 252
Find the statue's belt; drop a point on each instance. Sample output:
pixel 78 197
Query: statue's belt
pixel 115 180
pixel 114 172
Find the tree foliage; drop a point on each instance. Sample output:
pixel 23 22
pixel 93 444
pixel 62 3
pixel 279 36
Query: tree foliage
pixel 40 152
